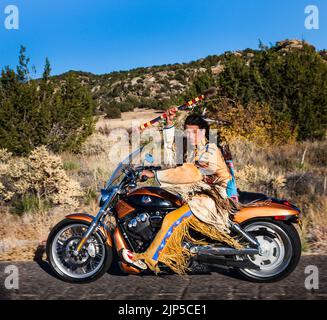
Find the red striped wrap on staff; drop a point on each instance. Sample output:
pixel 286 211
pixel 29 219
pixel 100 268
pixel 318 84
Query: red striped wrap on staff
pixel 208 93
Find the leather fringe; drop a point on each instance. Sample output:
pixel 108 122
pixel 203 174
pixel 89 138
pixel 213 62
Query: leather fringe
pixel 177 257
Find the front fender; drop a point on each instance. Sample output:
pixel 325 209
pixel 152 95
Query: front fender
pixel 105 232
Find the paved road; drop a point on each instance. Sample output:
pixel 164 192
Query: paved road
pixel 35 282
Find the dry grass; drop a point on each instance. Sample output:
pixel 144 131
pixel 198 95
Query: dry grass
pixel 22 235
pixel 104 125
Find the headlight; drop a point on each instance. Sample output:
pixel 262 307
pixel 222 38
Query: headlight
pixel 105 194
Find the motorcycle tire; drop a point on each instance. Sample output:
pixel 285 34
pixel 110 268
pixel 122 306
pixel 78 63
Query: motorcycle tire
pixel 58 269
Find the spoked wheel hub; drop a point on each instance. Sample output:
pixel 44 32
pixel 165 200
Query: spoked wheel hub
pixel 75 260
pixel 79 265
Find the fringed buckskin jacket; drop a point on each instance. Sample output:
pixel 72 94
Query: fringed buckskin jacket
pixel 207 156
pixel 204 170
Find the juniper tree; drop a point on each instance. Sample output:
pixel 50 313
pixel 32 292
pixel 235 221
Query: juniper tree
pixel 39 112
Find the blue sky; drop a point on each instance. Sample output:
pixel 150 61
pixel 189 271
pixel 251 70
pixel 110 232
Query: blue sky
pixel 101 36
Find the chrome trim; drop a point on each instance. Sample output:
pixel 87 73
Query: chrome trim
pixel 222 251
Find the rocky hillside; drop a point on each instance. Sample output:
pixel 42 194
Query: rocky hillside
pixel 160 86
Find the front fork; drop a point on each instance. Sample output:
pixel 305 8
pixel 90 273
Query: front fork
pixel 96 220
pixel 88 233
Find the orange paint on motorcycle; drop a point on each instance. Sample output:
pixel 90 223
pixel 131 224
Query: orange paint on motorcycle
pixel 119 240
pixel 123 208
pixel 128 269
pixel 145 191
pixel 120 244
pixel 266 210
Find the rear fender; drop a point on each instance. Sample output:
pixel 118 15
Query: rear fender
pixel 273 211
pixel 105 232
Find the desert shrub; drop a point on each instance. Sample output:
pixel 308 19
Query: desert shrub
pixel 70 166
pixel 255 122
pixel 260 179
pixel 180 76
pixel 317 237
pixel 96 144
pixel 111 109
pixel 317 153
pixel 38 177
pixel 146 92
pixel 30 203
pixel 90 195
pixel 132 100
pixel 305 183
pixel 126 106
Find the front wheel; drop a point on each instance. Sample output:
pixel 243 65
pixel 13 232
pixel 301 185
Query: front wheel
pixel 280 250
pixel 93 260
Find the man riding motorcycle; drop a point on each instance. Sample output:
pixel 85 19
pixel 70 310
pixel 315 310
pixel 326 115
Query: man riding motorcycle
pixel 204 168
pixel 193 230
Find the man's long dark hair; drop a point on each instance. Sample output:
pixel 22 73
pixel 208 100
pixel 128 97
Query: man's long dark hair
pixel 197 120
pixel 194 120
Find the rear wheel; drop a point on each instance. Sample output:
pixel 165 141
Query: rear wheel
pixel 280 250
pixel 91 263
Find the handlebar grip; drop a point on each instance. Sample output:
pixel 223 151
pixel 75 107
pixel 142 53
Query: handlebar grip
pixel 153 168
pixel 143 178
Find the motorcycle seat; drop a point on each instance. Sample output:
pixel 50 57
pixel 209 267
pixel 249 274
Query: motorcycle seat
pixel 246 197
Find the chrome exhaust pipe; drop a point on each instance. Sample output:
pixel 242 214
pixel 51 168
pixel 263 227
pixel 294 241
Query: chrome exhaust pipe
pixel 221 251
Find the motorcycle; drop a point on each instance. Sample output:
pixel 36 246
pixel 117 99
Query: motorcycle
pixel 80 248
